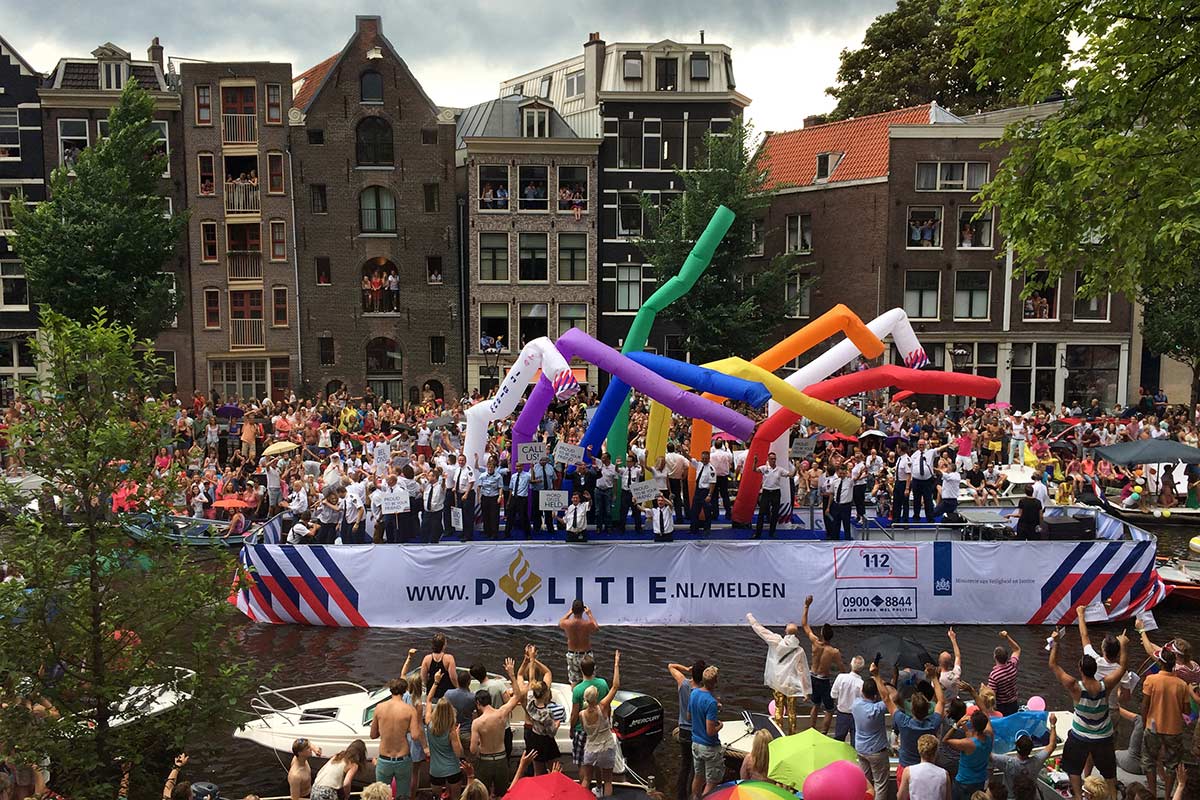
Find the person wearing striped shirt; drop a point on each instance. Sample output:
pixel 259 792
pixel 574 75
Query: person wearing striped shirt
pixel 1091 733
pixel 1003 677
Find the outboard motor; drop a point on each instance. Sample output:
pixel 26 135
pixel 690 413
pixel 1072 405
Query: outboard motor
pixel 638 724
pixel 203 790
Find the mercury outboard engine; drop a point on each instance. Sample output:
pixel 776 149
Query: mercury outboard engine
pixel 638 724
pixel 203 790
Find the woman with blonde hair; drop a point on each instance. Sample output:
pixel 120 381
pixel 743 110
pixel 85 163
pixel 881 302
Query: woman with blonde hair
pixel 377 791
pixel 600 750
pixel 474 791
pixel 445 747
pixel 757 762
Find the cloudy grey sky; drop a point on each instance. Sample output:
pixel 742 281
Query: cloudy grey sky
pixel 785 51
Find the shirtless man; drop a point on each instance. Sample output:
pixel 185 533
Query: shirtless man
pixel 825 657
pixel 300 773
pixel 487 735
pixel 579 637
pixel 394 721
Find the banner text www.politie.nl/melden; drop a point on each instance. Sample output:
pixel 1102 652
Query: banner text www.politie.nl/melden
pixel 608 590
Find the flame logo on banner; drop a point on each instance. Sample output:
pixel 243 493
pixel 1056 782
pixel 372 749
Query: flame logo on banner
pixel 521 581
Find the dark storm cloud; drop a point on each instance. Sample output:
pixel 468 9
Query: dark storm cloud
pixel 508 37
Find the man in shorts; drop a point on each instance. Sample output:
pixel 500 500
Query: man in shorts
pixel 394 722
pixel 579 637
pixel 708 757
pixel 825 657
pixel 587 669
pixel 1166 698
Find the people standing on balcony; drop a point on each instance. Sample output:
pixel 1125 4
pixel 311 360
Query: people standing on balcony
pixel 393 287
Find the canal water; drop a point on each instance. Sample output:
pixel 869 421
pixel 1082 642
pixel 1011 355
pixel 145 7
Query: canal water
pixel 370 657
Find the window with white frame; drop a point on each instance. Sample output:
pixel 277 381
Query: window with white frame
pixel 73 139
pixel 10 133
pixel 699 66
pixel 629 214
pixel 534 184
pixel 531 259
pixel 924 227
pixel 972 291
pixel 1089 309
pixel 1040 303
pixel 9 197
pixel 535 123
pixel 493 322
pixel 756 236
pixel 797 297
pixel 14 290
pixel 493 187
pixel 629 287
pixel 951 176
pixel 173 292
pixel 493 257
pixel 572 257
pixel 207 183
pixel 974 228
pixel 112 75
pixel 799 233
pixel 629 144
pixel 826 164
pixel 631 66
pixel 573 189
pixel 574 83
pixel 572 315
pixel 921 293
pixel 534 319
pixel 544 86
pixel 16 364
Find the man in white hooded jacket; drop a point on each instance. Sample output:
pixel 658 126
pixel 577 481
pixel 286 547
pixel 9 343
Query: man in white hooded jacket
pixel 786 671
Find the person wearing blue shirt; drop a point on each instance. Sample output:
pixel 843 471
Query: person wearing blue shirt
pixel 870 732
pixel 921 721
pixel 489 484
pixel 708 757
pixel 975 751
pixel 516 515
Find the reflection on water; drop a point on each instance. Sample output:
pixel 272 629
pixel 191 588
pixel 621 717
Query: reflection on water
pixel 370 657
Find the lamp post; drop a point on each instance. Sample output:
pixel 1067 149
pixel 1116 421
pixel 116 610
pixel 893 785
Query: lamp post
pixel 490 348
pixel 960 357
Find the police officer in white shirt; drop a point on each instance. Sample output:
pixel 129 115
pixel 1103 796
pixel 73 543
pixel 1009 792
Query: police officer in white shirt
pixel 922 463
pixel 948 492
pixel 353 514
pixel 722 461
pixel 704 505
pixel 606 479
pixel 541 479
pixel 677 466
pixel 858 474
pixel 516 513
pixel 575 519
pixel 631 472
pixel 662 519
pixel 433 503
pixel 772 485
pixel 460 485
pixel 841 500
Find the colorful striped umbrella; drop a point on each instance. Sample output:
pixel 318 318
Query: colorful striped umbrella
pixel 750 790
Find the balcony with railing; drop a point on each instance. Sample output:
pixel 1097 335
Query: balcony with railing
pixel 241 198
pixel 239 129
pixel 244 265
pixel 246 334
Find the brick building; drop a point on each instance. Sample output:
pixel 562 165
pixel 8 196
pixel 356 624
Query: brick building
pixel 22 174
pixel 75 98
pixel 879 212
pixel 651 104
pixel 245 321
pixel 374 170
pixel 531 266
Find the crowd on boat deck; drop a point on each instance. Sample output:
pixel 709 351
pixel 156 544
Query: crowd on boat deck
pixel 329 464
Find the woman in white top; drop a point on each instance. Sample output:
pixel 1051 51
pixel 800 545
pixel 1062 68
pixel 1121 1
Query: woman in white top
pixel 659 471
pixel 338 773
pixel 600 749
pixel 925 781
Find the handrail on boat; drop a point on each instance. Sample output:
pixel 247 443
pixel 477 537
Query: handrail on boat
pixel 260 706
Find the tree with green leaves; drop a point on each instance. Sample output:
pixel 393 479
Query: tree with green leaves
pixel 905 60
pixel 731 309
pixel 95 617
pixel 103 237
pixel 1108 184
pixel 1171 325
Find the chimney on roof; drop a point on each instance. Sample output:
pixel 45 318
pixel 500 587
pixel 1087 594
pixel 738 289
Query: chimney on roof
pixel 813 120
pixel 702 36
pixel 593 69
pixel 155 52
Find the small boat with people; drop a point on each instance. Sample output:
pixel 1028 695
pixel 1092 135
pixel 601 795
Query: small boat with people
pixel 184 531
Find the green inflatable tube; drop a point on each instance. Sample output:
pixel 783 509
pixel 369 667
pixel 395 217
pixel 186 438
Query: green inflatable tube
pixel 639 332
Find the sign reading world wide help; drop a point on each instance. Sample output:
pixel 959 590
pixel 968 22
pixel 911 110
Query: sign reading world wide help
pixel 568 453
pixel 530 452
pixel 552 501
pixel 643 491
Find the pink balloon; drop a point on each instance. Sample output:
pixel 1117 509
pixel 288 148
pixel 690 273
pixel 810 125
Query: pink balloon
pixel 771 708
pixel 841 780
pixel 1036 703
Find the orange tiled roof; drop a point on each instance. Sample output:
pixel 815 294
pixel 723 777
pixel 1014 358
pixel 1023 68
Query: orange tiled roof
pixel 791 157
pixel 312 79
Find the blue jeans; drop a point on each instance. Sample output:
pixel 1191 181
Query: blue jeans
pixel 603 502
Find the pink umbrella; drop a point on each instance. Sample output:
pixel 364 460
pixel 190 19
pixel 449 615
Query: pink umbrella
pixel 726 437
pixel 1000 404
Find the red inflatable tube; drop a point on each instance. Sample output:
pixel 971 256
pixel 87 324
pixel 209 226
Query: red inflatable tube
pixel 916 380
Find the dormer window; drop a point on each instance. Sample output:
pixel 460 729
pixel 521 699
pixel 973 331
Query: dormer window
pixel 112 75
pixel 632 66
pixel 666 74
pixel 544 87
pixel 536 123
pixel 826 164
pixel 699 66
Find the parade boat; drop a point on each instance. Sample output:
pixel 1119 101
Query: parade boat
pixel 1181 576
pixel 334 713
pixel 183 531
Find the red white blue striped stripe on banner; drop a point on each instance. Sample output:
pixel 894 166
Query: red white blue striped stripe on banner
pixel 302 587
pixel 1092 573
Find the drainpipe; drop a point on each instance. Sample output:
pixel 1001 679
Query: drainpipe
pixel 295 269
pixel 463 274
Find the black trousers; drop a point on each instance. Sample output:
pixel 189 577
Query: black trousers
pixel 703 500
pixel 900 502
pixel 687 767
pixel 542 517
pixel 922 495
pixel 491 515
pixel 468 508
pixel 723 495
pixel 679 496
pixel 839 513
pixel 768 507
pixel 431 526
pixel 626 505
pixel 353 533
pixel 860 500
pixel 327 533
pixel 516 515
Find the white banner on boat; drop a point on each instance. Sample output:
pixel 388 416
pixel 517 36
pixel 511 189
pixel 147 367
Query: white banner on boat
pixel 700 583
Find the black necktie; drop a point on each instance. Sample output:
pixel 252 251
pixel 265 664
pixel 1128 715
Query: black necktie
pixel 923 464
pixel 662 520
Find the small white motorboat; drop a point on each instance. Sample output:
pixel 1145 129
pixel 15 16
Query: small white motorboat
pixel 143 702
pixel 341 712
